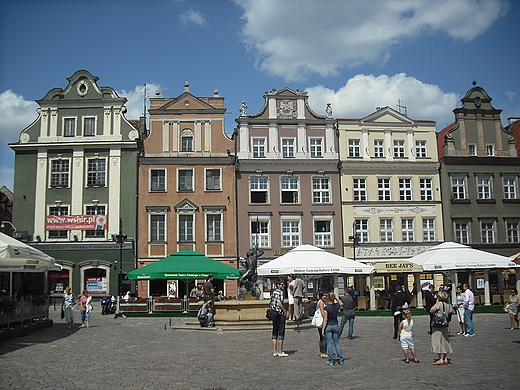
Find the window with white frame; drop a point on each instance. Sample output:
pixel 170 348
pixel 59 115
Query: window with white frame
pixel 405 189
pixel 420 149
pixel 69 127
pixel 157 228
pixel 426 188
pixel 490 150
pixel 59 173
pixel 96 172
pixel 185 179
pixel 95 210
pixel 484 188
pixel 510 187
pixel 407 229
pixel 359 185
pixel 398 148
pixel 361 229
pixel 428 228
pixel 89 127
pixel 461 229
pixel 288 147
pixel 289 189
pixel 186 227
pixel 259 189
pixel 316 147
pixel 157 180
pixel 187 140
pixel 321 189
pixel 472 148
pixel 383 188
pixel 258 147
pixel 378 148
pixel 487 232
pixel 458 187
pixel 354 148
pixel 260 234
pixel 513 231
pixel 290 233
pixel 58 210
pixel 213 227
pixel 323 232
pixel 386 230
pixel 213 182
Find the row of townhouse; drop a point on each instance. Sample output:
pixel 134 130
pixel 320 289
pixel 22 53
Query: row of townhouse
pixel 372 188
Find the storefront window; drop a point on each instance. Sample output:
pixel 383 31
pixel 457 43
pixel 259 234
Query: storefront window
pixel 58 280
pixel 96 281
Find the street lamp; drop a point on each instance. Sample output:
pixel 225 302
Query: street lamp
pixel 120 239
pixel 355 239
pixel 13 229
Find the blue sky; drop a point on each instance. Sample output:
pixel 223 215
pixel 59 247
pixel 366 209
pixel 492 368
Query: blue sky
pixel 357 55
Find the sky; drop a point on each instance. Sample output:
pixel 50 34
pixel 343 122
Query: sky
pixel 355 54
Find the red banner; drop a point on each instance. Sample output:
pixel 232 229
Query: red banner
pixel 76 222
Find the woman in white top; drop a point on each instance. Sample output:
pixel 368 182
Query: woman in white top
pixel 460 310
pixel 404 335
pixel 290 297
pixel 68 306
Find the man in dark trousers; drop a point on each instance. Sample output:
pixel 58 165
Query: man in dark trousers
pixel 430 300
pixel 398 301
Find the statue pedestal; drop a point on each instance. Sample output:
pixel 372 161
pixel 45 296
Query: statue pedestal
pixel 250 309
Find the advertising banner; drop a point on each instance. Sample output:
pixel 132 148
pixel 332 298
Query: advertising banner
pixel 96 285
pixel 76 222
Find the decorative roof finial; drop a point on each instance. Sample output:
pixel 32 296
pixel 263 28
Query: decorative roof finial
pixel 474 82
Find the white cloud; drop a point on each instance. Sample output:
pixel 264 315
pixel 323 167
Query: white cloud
pixel 17 114
pixel 192 16
pixel 363 93
pixel 135 104
pixel 294 39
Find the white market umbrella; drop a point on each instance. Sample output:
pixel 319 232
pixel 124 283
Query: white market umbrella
pixel 452 255
pixel 310 260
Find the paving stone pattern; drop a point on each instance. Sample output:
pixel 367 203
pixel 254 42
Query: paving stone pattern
pixel 145 353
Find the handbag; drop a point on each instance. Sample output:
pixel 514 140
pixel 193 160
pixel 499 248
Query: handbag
pixel 271 314
pixel 440 321
pixel 62 313
pixel 317 318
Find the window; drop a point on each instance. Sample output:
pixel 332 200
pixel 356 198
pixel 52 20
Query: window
pixel 386 230
pixel 185 179
pixel 322 233
pixel 487 232
pixel 484 188
pixel 96 172
pixel 69 127
pixel 512 229
pixel 378 148
pixel 95 210
pixel 490 149
pixel 321 190
pixel 214 227
pixel 157 228
pixel 89 127
pixel 187 140
pixel 360 189
pixel 186 227
pixel 405 189
pixel 290 233
pixel 472 149
pixel 259 189
pixel 353 148
pixel 426 187
pixel 258 147
pixel 398 148
pixel 462 232
pixel 407 229
pixel 361 226
pixel 316 147
pixel 383 188
pixel 59 173
pixel 458 188
pixel 260 234
pixel 157 180
pixel 420 149
pixel 58 210
pixel 510 191
pixel 213 180
pixel 288 147
pixel 428 229
pixel 289 186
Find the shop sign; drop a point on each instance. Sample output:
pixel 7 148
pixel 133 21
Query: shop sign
pixel 76 222
pixel 96 285
pixel 397 266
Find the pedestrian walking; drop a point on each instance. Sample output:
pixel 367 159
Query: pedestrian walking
pixel 68 305
pixel 440 338
pixel 331 328
pixel 278 333
pixel 512 308
pixel 349 313
pixel 469 307
pixel 459 306
pixel 405 336
pixel 85 309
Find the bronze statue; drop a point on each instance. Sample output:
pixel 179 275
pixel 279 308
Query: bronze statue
pixel 252 256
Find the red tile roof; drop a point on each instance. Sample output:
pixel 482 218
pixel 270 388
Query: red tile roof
pixel 441 141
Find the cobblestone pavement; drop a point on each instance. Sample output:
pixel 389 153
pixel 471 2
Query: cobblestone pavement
pixel 145 353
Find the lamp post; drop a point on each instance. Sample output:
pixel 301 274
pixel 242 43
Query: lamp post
pixel 120 239
pixel 13 229
pixel 355 239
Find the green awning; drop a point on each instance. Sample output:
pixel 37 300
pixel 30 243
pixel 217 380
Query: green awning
pixel 186 264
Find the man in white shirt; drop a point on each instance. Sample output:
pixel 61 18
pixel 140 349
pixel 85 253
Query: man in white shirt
pixel 469 307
